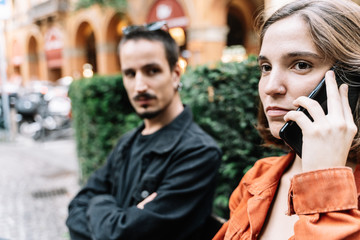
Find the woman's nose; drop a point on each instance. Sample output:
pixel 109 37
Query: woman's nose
pixel 275 83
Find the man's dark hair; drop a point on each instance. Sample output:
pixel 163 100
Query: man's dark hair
pixel 171 47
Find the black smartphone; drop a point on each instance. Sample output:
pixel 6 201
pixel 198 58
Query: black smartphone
pixel 291 133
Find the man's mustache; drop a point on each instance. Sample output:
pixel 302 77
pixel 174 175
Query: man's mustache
pixel 144 96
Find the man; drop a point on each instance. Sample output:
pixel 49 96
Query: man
pixel 159 181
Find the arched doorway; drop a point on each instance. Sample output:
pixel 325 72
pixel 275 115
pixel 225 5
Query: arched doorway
pixel 237 27
pixel 241 39
pixel 113 37
pixel 16 61
pixel 86 47
pixel 33 59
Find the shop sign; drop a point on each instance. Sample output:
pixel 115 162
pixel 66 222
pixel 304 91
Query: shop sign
pixel 169 10
pixel 53 47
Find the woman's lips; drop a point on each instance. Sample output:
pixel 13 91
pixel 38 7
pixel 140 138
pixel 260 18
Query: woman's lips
pixel 276 111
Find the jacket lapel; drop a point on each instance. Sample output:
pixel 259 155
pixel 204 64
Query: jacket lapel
pixel 260 185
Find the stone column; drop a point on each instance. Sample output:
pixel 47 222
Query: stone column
pixel 207 32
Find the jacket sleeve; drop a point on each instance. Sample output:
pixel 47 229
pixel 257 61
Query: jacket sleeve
pixel 77 221
pixel 184 199
pixel 326 202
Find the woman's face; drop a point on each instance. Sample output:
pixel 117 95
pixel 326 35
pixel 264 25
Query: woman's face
pixel 291 67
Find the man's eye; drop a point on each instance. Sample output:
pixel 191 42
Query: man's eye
pixel 129 74
pixel 153 71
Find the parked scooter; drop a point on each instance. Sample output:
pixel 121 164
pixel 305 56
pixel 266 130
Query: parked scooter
pixel 44 115
pixel 55 115
pixel 28 108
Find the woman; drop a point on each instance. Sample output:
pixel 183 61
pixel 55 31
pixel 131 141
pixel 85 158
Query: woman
pixel 315 196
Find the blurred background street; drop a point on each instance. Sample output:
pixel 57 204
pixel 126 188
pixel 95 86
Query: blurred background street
pixel 37 181
pixel 47 46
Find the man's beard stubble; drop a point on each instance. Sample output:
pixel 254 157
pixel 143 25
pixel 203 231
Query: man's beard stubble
pixel 147 115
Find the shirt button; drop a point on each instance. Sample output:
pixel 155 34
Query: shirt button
pixel 144 194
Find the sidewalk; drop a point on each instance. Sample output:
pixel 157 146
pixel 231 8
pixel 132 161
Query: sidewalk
pixel 37 182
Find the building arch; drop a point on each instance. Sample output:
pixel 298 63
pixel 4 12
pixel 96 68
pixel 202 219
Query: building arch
pixel 206 31
pixel 113 36
pixel 240 21
pixel 82 45
pixel 85 16
pixel 33 59
pixel 34 64
pixel 85 47
pixel 237 27
pixel 17 57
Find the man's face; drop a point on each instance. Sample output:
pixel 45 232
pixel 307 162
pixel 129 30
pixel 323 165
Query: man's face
pixel 149 82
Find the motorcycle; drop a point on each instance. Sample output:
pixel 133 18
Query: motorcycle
pixel 42 115
pixel 27 107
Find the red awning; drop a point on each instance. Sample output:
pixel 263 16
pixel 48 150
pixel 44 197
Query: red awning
pixel 54 47
pixel 169 10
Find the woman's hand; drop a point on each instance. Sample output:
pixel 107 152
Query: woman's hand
pixel 327 140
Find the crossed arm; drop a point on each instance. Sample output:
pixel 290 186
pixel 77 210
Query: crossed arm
pixel 177 208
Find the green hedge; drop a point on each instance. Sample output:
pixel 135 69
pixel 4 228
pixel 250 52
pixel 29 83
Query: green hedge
pixel 224 102
pixel 101 114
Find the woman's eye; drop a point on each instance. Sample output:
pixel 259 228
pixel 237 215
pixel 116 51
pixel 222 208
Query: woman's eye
pixel 302 66
pixel 265 68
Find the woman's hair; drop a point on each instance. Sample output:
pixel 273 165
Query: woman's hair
pixel 335 28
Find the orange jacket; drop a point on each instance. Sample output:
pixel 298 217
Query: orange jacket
pixel 326 201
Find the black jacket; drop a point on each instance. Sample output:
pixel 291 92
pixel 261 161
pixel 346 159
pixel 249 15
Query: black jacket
pixel 181 167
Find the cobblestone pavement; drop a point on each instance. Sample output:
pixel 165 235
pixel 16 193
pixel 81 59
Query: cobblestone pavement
pixel 37 182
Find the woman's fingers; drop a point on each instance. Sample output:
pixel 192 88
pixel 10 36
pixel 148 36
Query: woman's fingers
pixel 337 104
pixel 326 139
pixel 334 103
pixel 345 103
pixel 312 107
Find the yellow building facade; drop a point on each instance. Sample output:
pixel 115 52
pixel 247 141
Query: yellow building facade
pixel 49 39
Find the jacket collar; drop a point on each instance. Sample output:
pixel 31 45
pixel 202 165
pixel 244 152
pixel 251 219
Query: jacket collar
pixel 170 134
pixel 262 180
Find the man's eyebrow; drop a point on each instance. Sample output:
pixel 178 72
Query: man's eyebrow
pixel 150 65
pixel 126 69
